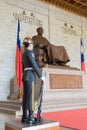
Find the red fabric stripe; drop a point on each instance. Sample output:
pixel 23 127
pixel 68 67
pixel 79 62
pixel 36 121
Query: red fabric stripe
pixel 83 66
pixel 18 67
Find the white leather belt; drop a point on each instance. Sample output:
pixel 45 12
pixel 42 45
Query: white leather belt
pixel 28 69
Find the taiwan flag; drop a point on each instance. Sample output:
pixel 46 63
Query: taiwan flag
pixel 82 56
pixel 18 63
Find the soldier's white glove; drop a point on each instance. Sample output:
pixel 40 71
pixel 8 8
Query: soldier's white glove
pixel 43 78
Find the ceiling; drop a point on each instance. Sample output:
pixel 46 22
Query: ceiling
pixel 78 7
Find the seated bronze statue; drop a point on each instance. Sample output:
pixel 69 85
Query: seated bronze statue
pixel 46 52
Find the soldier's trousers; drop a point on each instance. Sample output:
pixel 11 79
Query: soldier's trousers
pixel 28 96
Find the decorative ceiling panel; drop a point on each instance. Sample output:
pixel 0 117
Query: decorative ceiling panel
pixel 78 7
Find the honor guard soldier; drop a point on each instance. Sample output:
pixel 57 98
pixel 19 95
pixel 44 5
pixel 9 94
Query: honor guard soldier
pixel 30 67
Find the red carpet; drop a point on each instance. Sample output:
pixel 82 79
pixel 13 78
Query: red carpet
pixel 76 119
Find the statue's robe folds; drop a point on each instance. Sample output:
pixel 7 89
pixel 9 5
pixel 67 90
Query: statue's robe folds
pixel 57 54
pixel 49 53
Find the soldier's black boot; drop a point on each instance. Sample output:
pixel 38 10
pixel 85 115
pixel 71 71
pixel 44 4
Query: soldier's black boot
pixel 24 119
pixel 31 118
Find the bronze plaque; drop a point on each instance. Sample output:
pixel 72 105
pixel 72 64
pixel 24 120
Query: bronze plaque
pixel 63 81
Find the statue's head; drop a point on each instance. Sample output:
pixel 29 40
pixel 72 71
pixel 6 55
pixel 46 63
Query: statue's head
pixel 40 31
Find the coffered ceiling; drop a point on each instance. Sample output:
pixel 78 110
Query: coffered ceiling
pixel 78 7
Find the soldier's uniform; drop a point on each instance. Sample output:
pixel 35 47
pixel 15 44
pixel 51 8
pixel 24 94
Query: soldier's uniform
pixel 29 68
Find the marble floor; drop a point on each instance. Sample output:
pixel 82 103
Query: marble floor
pixel 8 117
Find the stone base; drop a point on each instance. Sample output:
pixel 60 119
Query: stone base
pixel 63 77
pixel 44 125
pixel 13 89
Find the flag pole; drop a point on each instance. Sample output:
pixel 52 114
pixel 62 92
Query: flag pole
pixel 18 63
pixel 82 50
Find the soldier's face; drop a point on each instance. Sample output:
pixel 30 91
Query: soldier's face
pixel 31 46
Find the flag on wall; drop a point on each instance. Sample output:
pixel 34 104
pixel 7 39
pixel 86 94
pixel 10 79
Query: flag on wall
pixel 18 63
pixel 82 56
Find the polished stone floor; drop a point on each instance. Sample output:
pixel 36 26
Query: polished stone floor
pixel 8 117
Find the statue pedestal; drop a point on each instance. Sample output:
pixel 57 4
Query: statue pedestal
pixel 44 125
pixel 65 88
pixel 62 77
